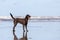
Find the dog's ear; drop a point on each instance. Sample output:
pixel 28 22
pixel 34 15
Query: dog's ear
pixel 28 15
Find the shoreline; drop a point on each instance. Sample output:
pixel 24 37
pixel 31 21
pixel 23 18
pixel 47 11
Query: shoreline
pixel 34 18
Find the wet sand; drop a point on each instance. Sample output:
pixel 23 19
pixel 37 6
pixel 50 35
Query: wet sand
pixel 36 31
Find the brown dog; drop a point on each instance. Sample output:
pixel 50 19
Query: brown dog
pixel 23 21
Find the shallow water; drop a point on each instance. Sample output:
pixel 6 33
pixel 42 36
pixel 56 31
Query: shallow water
pixel 36 31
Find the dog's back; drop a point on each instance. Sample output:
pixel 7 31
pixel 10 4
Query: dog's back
pixel 20 20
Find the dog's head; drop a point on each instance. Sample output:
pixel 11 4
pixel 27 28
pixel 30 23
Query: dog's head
pixel 28 16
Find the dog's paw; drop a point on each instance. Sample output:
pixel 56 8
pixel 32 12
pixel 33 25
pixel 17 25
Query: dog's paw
pixel 13 30
pixel 24 30
pixel 27 30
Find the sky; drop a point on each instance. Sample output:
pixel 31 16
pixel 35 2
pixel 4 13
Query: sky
pixel 31 7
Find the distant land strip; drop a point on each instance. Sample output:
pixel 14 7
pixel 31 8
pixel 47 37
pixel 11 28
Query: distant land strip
pixel 34 18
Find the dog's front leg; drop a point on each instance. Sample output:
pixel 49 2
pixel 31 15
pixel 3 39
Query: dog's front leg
pixel 26 28
pixel 23 29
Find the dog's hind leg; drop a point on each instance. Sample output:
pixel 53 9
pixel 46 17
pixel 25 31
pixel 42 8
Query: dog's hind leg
pixel 14 26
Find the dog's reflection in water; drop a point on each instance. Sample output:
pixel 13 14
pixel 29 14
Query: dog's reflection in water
pixel 15 37
pixel 23 38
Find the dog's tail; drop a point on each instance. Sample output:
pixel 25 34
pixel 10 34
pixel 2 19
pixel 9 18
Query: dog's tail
pixel 12 16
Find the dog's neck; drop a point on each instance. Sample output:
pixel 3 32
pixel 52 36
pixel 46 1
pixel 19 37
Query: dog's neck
pixel 26 18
